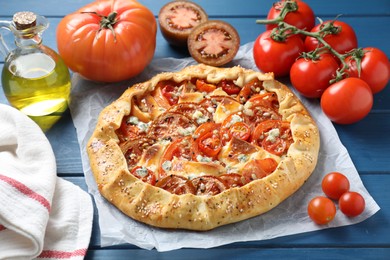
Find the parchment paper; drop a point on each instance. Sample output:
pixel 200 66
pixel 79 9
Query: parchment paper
pixel 290 217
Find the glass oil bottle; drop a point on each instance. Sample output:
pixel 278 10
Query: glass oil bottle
pixel 35 79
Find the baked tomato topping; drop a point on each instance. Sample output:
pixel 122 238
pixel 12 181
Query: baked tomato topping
pixel 274 136
pixel 176 184
pixel 171 126
pixel 258 169
pixel 144 174
pixel 249 118
pixel 208 185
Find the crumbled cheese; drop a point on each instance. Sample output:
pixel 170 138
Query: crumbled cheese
pixel 242 158
pixel 143 127
pixel 201 158
pixel 200 117
pixel 133 120
pixel 142 171
pixel 273 134
pixel 211 109
pixel 186 131
pixel 166 166
pixel 235 119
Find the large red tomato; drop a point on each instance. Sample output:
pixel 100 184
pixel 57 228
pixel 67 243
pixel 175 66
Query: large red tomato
pixel 374 67
pixel 108 40
pixel 342 37
pixel 347 101
pixel 312 77
pixel 276 56
pixel 303 18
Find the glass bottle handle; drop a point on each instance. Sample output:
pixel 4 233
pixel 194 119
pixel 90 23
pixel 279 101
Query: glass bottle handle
pixel 4 50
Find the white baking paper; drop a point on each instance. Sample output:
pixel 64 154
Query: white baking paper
pixel 290 217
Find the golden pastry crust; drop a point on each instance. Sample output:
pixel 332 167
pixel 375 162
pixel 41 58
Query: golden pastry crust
pixel 158 207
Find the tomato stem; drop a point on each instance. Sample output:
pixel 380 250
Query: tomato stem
pixel 284 30
pixel 106 22
pixel 288 6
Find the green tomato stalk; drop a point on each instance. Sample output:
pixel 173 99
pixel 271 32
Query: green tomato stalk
pixel 285 30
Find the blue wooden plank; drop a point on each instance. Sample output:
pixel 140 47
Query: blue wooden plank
pixel 218 8
pixel 367 34
pixel 247 254
pixel 372 232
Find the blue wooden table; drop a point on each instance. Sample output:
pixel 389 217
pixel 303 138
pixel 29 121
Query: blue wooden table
pixel 367 141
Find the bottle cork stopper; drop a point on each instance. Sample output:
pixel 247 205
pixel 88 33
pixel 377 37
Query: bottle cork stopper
pixel 24 20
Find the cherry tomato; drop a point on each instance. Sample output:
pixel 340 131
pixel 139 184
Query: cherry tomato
pixel 352 204
pixel 334 184
pixel 273 135
pixel 347 101
pixel 375 68
pixel 321 210
pixel 170 92
pixel 240 130
pixel 213 43
pixel 229 87
pixel 312 77
pixel 210 143
pixel 275 56
pixel 252 87
pixel 178 18
pixel 108 41
pixel 342 39
pixel 303 18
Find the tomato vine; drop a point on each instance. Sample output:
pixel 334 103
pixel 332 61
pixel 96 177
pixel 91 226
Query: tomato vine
pixel 285 30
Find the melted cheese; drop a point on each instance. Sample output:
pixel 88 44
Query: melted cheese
pixel 225 108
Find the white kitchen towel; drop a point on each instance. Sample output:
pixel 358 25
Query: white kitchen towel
pixel 41 215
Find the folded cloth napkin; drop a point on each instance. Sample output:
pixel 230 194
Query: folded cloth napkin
pixel 41 215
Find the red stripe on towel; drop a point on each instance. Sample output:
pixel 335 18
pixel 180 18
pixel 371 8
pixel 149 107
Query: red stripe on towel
pixel 2 227
pixel 62 254
pixel 26 191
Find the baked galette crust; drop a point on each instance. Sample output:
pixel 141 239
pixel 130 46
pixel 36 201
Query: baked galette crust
pixel 158 207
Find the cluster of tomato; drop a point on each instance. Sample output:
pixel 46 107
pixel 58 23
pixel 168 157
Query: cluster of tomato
pixel 336 186
pixel 323 61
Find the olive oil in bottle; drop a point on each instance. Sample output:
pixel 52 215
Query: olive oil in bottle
pixel 35 79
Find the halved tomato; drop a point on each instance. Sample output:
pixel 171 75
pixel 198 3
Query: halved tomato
pixel 229 87
pixel 178 18
pixel 214 43
pixel 252 87
pixel 273 135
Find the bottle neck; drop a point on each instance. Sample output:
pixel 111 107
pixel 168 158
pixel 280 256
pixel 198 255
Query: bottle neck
pixel 28 41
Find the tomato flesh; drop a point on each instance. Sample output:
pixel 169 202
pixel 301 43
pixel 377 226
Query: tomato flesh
pixel 214 43
pixel 178 18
